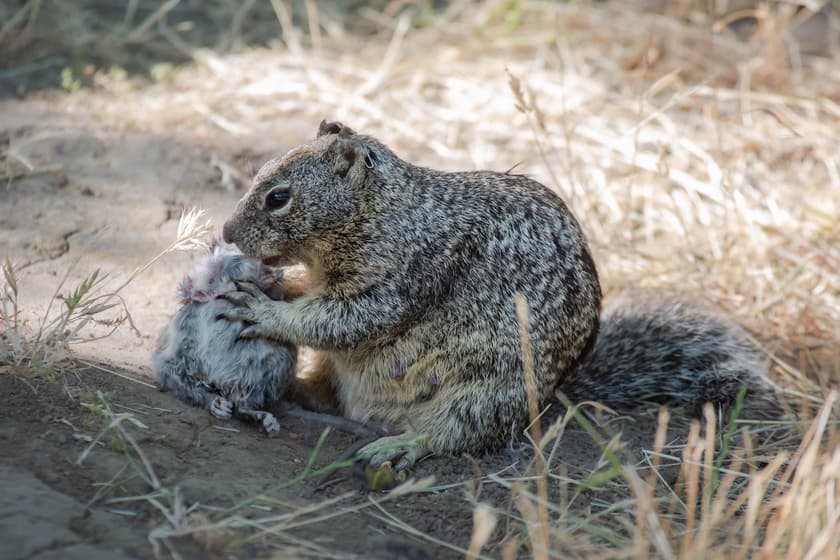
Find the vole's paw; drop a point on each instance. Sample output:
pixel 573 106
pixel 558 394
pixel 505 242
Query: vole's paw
pixel 270 424
pixel 402 450
pixel 221 408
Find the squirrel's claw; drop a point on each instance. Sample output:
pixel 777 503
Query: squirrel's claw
pixel 249 288
pixel 239 298
pixel 252 331
pixel 234 314
pixel 246 295
pixel 404 447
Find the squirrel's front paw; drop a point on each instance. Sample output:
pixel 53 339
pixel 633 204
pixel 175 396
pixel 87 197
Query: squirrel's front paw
pixel 257 330
pixel 250 305
pixel 408 448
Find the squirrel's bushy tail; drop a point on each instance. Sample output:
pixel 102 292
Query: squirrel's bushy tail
pixel 673 354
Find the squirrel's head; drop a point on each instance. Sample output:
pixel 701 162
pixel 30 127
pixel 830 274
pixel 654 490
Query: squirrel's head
pixel 312 193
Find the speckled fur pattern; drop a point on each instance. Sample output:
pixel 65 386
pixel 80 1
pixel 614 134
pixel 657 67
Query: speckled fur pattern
pixel 414 275
pixel 199 356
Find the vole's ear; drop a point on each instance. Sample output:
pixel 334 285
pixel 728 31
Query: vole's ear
pixel 333 127
pixel 185 290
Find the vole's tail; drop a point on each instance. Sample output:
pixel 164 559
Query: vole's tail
pixel 673 354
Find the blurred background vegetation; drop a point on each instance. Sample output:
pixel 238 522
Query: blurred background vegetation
pixel 51 43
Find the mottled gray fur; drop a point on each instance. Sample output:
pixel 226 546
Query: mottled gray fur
pixel 673 353
pixel 199 356
pixel 414 273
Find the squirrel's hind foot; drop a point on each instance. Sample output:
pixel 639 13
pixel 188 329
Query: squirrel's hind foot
pixel 402 450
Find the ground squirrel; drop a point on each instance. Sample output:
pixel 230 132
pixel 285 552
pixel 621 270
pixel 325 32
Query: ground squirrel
pixel 199 356
pixel 414 274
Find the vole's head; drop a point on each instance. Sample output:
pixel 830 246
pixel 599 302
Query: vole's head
pixel 311 193
pixel 216 274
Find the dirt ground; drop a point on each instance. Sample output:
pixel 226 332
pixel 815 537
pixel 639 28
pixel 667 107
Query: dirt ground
pixel 52 507
pixel 45 511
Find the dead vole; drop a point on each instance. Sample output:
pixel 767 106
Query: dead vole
pixel 199 355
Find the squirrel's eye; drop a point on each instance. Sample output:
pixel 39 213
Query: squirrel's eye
pixel 277 199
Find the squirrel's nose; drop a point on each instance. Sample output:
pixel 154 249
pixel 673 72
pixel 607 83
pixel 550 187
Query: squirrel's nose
pixel 228 232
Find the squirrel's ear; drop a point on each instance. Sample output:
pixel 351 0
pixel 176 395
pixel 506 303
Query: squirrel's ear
pixel 346 153
pixel 352 159
pixel 333 127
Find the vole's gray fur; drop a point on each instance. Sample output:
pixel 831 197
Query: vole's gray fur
pixel 414 273
pixel 199 356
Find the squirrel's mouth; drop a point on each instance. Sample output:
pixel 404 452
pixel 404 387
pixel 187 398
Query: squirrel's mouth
pixel 283 259
pixel 274 261
pixel 280 256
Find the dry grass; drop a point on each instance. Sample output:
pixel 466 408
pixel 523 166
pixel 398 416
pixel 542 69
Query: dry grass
pixel 699 163
pixel 745 500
